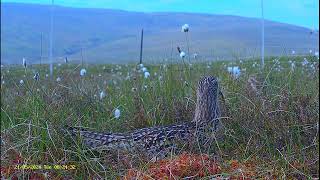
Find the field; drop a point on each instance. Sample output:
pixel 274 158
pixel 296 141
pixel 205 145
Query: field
pixel 270 118
pixel 76 34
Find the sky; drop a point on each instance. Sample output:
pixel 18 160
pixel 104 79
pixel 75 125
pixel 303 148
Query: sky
pixel 298 12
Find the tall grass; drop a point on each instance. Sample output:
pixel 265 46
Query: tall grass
pixel 276 125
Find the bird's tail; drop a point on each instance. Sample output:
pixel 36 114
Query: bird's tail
pixel 95 139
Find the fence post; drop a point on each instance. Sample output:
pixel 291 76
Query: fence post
pixel 141 46
pixel 51 33
pixel 262 36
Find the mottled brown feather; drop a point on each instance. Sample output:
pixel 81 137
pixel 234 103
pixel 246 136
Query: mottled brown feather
pixel 157 139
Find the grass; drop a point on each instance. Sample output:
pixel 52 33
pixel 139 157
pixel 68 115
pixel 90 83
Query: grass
pixel 275 127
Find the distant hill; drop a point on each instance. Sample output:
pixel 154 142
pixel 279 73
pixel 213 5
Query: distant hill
pixel 113 36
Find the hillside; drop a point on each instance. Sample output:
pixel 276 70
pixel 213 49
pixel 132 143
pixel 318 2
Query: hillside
pixel 113 36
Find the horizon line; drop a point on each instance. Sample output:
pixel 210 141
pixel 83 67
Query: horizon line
pixel 186 12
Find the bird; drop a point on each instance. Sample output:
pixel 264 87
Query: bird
pixel 179 50
pixel 159 140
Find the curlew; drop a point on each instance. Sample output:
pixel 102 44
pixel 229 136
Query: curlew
pixel 157 140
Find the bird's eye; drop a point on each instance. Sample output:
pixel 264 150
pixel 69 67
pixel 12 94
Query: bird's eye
pixel 213 79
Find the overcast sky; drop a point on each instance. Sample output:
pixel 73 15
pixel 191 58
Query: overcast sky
pixel 298 12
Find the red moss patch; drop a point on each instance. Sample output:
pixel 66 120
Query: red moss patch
pixel 184 165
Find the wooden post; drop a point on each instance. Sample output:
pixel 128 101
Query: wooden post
pixel 40 50
pixel 262 36
pixel 81 57
pixel 141 46
pixel 39 68
pixel 51 41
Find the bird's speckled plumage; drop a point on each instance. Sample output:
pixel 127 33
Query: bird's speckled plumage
pixel 157 139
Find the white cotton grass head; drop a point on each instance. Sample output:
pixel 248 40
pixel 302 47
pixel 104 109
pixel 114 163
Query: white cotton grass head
pixel 276 61
pixel 293 52
pixel 83 72
pixel 102 95
pixel 182 54
pixel 316 53
pixel 58 79
pixel 117 113
pixel 305 62
pixel 255 64
pixel 160 78
pixel 185 28
pixel 24 62
pixel 146 74
pixel 133 89
pixel 144 69
pixel 36 76
pixel 21 81
pixel 234 71
pixel 195 55
pixel 312 68
pixel 293 66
